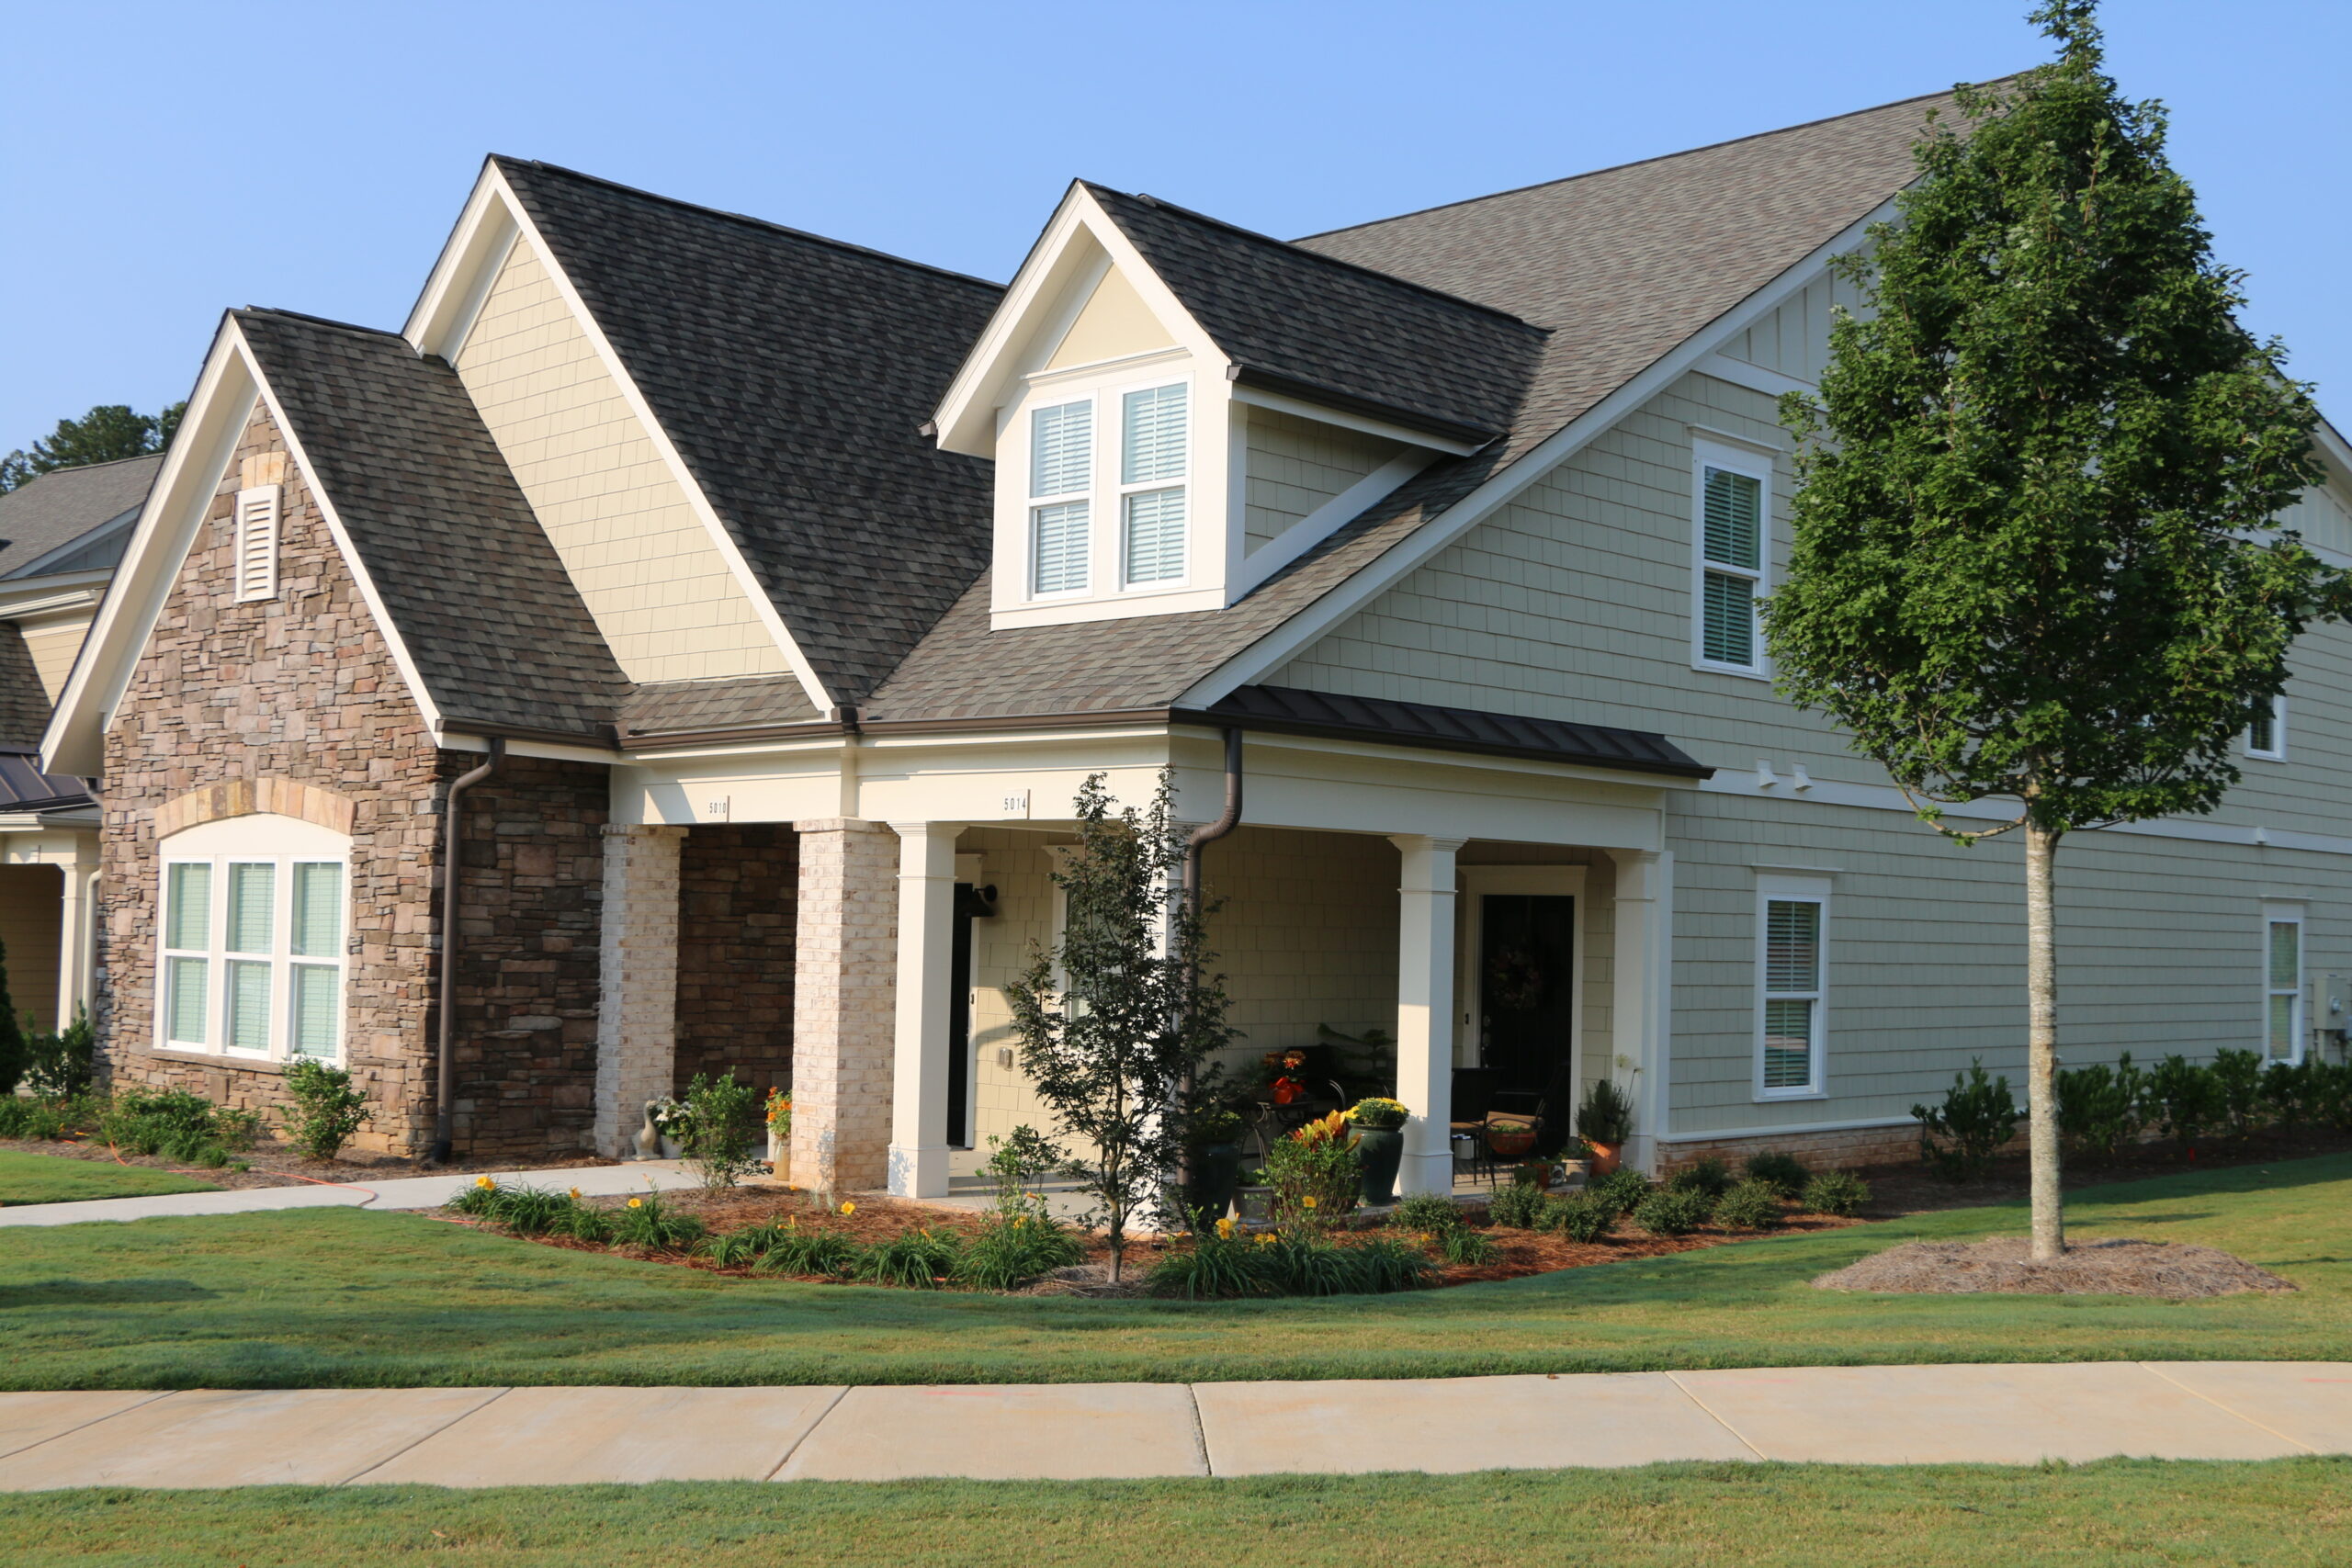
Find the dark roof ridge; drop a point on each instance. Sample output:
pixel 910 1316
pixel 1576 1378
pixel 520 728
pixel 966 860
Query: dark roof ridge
pixel 769 224
pixel 1200 217
pixel 316 321
pixel 1654 158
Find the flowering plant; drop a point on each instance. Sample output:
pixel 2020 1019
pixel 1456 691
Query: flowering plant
pixel 1314 1172
pixel 1378 1113
pixel 780 1112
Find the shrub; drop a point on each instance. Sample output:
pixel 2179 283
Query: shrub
pixel 2184 1097
pixel 918 1259
pixel 2100 1107
pixel 21 1118
pixel 724 1129
pixel 1518 1206
pixel 1978 1116
pixel 1581 1217
pixel 1672 1214
pixel 1709 1176
pixel 2296 1092
pixel 327 1110
pixel 647 1221
pixel 174 1125
pixel 1836 1192
pixel 1009 1252
pixel 2237 1089
pixel 1220 1263
pixel 826 1254
pixel 1315 1173
pixel 1426 1211
pixel 1750 1206
pixel 1621 1190
pixel 58 1062
pixel 1783 1173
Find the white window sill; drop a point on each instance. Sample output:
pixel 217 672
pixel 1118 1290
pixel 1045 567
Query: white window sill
pixel 1744 671
pixel 1780 1096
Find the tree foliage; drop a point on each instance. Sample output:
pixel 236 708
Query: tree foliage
pixel 1114 1017
pixel 2034 556
pixel 108 434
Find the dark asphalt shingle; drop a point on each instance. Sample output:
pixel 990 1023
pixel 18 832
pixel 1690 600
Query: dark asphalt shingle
pixel 39 517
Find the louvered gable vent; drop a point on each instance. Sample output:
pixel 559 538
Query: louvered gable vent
pixel 258 511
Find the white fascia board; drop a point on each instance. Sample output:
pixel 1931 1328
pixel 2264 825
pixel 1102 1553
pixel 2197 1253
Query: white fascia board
pixel 218 411
pixel 1286 641
pixel 492 224
pixel 1312 529
pixel 966 418
pixel 40 595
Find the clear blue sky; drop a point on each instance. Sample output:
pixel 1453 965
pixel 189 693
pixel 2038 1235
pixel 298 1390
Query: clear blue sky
pixel 164 161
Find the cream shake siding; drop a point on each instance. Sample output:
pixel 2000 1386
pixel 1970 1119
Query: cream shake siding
pixel 1795 339
pixel 53 649
pixel 29 936
pixel 644 563
pixel 1296 465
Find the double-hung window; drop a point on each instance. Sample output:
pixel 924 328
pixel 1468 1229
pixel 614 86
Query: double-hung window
pixel 2266 735
pixel 1061 471
pixel 1153 444
pixel 1730 548
pixel 252 953
pixel 1792 986
pixel 2282 962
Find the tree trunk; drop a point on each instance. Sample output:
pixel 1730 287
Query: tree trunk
pixel 2041 1041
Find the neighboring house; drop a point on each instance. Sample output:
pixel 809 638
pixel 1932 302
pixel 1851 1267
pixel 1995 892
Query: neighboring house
pixel 61 536
pixel 787 592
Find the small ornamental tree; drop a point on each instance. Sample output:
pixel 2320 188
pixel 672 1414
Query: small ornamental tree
pixel 1114 1017
pixel 2034 557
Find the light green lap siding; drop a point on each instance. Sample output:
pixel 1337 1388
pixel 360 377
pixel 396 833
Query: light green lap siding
pixel 1296 465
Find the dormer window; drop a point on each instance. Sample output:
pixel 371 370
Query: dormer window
pixel 1100 471
pixel 1061 463
pixel 1153 443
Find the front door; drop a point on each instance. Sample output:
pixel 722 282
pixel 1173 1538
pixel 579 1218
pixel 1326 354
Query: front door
pixel 1525 1013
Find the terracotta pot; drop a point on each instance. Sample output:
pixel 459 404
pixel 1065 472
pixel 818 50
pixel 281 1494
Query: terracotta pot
pixel 1604 1159
pixel 1510 1144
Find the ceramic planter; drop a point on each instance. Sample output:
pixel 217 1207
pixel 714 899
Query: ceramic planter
pixel 1379 1151
pixel 1604 1159
pixel 1216 1171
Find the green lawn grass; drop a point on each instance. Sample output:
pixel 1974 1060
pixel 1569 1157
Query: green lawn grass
pixel 2115 1514
pixel 57 1178
pixel 341 1297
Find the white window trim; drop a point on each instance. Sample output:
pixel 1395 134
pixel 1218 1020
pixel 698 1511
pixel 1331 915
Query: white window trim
pixel 2276 750
pixel 1114 464
pixel 1106 497
pixel 1771 890
pixel 1705 455
pixel 2300 1036
pixel 263 839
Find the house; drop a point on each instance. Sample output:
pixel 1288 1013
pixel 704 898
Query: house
pixel 61 536
pixel 770 597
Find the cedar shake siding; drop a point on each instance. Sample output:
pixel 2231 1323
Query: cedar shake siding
pixel 738 894
pixel 236 701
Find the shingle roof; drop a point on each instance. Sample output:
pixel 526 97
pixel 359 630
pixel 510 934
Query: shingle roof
pixel 497 630
pixel 1301 323
pixel 672 707
pixel 1621 265
pixel 37 519
pixel 794 373
pixel 24 701
pixel 1292 711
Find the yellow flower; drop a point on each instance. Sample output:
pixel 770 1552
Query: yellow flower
pixel 1265 1238
pixel 849 1207
pixel 484 1182
pixel 1307 1201
pixel 1225 1228
pixel 637 1202
pixel 575 1194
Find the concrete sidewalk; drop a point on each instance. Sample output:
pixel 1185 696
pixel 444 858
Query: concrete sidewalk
pixel 491 1436
pixel 408 1193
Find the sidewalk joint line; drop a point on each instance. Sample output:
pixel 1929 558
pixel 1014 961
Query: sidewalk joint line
pixel 2217 1404
pixel 1704 1409
pixel 159 1393
pixel 830 1405
pixel 1200 1432
pixel 353 1478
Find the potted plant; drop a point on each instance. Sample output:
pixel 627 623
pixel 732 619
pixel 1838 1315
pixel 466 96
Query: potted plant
pixel 1315 1173
pixel 1604 1121
pixel 1510 1137
pixel 779 1133
pixel 1379 1123
pixel 1215 1140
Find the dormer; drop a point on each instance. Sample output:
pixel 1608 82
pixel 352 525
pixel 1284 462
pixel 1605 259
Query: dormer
pixel 1176 408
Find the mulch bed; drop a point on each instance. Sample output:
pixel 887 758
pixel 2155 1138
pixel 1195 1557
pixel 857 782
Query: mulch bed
pixel 2005 1266
pixel 1912 1188
pixel 274 1163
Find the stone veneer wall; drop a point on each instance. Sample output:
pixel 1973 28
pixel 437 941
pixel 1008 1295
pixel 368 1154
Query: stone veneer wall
pixel 302 687
pixel 738 896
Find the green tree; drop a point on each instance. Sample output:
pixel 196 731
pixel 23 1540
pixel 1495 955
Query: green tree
pixel 106 434
pixel 2034 557
pixel 1114 1017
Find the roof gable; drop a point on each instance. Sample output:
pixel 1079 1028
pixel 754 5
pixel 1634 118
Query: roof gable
pixel 40 520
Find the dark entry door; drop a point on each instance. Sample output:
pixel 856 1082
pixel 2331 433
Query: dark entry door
pixel 1527 994
pixel 959 1021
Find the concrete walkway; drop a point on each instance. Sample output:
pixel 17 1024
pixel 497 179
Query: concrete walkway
pixel 408 1193
pixel 491 1437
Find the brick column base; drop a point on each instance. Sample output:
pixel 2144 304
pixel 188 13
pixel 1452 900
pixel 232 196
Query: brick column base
pixel 637 1002
pixel 844 992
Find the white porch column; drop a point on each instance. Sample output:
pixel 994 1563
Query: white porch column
pixel 1425 1011
pixel 1643 993
pixel 637 989
pixel 75 946
pixel 918 1062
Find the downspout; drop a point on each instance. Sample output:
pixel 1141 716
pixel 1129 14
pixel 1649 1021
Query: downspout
pixel 1208 834
pixel 452 817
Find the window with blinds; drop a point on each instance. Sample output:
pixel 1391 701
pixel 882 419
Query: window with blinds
pixel 252 955
pixel 1155 536
pixel 1731 571
pixel 2266 735
pixel 1061 449
pixel 257 525
pixel 1153 435
pixel 1057 548
pixel 1791 1013
pixel 2283 977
